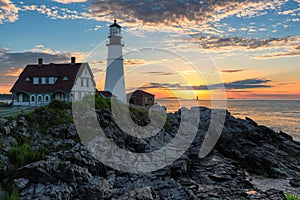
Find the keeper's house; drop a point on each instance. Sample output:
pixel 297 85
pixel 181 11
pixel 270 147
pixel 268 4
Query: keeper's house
pixel 39 84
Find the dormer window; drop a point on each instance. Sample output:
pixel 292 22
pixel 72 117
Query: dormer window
pixel 52 80
pixel 65 78
pixel 35 80
pixel 43 80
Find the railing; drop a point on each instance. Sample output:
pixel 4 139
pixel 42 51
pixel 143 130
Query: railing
pixel 10 112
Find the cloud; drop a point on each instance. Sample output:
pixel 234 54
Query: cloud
pixel 289 12
pixel 247 83
pixel 158 73
pixel 235 85
pixel 177 11
pixel 55 12
pixel 12 63
pixel 187 16
pixel 278 47
pixel 134 62
pixel 278 55
pixel 70 1
pixel 231 70
pixel 273 96
pixel 8 11
pixel 233 43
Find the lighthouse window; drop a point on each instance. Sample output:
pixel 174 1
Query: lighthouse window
pixel 115 31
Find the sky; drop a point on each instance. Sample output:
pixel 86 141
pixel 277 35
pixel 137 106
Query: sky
pixel 246 49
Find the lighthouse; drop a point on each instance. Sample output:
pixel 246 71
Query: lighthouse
pixel 114 81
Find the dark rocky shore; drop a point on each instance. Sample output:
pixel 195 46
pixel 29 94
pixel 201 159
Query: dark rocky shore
pixel 42 158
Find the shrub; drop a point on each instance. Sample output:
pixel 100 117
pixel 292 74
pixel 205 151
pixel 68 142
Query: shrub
pixel 291 196
pixel 14 195
pixel 101 102
pixel 45 117
pixel 22 155
pixel 60 105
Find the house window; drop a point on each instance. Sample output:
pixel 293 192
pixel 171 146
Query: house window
pixel 87 82
pixel 47 98
pixel 40 98
pixel 27 79
pixel 35 80
pixel 32 99
pixel 65 78
pixel 51 80
pixel 40 80
pixel 82 79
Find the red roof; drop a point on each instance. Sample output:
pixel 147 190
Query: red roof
pixel 70 70
pixel 106 94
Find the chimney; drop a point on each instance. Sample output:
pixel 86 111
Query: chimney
pixel 40 61
pixel 73 60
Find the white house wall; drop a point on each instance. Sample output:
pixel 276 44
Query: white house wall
pixel 79 91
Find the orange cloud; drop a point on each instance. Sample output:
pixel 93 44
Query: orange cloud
pixel 8 11
pixel 70 1
pixel 134 62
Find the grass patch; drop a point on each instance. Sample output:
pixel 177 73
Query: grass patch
pixel 290 196
pixel 46 117
pixel 23 154
pixel 14 195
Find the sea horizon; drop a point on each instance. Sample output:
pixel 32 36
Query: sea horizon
pixel 279 115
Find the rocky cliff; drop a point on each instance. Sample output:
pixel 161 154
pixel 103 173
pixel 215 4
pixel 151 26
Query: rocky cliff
pixel 42 158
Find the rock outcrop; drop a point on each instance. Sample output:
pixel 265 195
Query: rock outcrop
pixel 58 166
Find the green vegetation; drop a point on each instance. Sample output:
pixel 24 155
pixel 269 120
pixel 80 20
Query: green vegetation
pixel 23 154
pixel 91 102
pixel 167 126
pixel 52 115
pixel 59 105
pixel 290 196
pixel 14 195
pixel 101 102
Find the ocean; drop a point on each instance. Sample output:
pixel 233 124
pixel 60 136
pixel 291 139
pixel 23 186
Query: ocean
pixel 278 115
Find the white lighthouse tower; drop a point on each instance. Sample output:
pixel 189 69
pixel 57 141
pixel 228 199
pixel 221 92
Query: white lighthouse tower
pixel 114 81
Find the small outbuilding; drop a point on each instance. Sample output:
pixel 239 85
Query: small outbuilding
pixel 141 98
